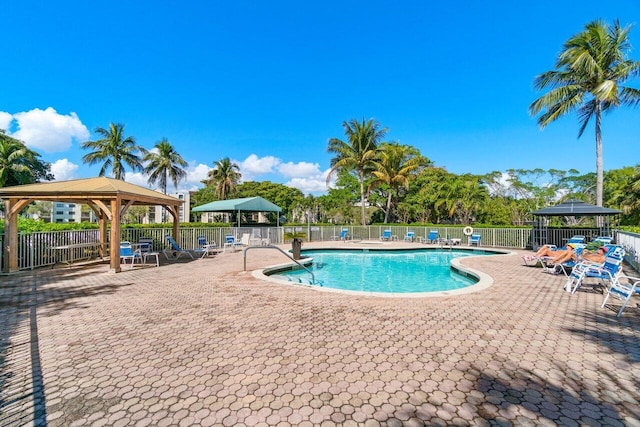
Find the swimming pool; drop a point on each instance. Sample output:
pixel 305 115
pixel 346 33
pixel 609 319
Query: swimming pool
pixel 385 271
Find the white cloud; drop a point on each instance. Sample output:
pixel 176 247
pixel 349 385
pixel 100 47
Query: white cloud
pixel 49 131
pixel 195 175
pixel 5 120
pixel 300 169
pixel 64 170
pixel 138 178
pixel 254 166
pixel 312 184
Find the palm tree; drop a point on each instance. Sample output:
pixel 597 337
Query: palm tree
pixel 394 168
pixel 225 176
pixel 164 164
pixel 19 165
pixel 357 153
pixel 115 150
pixel 588 78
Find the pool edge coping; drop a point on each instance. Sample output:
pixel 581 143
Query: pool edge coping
pixel 485 280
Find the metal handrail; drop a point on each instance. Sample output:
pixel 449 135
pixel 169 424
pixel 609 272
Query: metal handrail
pixel 244 255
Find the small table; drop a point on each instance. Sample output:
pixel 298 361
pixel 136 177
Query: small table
pixel 68 250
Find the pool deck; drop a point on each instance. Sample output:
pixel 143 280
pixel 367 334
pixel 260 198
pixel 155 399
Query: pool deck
pixel 200 342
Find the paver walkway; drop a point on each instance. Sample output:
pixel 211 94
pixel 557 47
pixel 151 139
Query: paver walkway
pixel 203 343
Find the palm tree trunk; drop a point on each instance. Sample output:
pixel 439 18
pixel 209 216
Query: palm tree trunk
pixel 364 221
pixel 386 214
pixel 599 172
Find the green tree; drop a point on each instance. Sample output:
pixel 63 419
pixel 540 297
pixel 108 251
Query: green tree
pixel 224 176
pixel 588 77
pixel 20 165
pixel 464 196
pixel 164 164
pixel 114 150
pixel 395 166
pixel 357 153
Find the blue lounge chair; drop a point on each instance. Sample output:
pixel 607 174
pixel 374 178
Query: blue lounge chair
pixel 474 239
pixel 386 235
pixel 206 247
pixel 231 242
pixel 606 272
pixel 432 237
pixel 344 235
pixel 175 251
pixel 409 237
pixel 578 238
pixel 622 287
pixel 127 253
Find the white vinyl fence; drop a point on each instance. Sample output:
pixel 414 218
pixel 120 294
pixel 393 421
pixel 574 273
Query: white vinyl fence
pixel 38 249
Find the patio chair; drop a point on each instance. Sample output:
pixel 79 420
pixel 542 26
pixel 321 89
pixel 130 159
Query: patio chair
pixel 206 247
pixel 386 235
pixel 567 266
pixel 344 235
pixel 606 272
pixel 432 237
pixel 622 287
pixel 231 242
pixel 603 240
pixel 146 250
pixel 175 251
pixel 474 239
pixel 578 238
pixel 410 236
pixel 127 253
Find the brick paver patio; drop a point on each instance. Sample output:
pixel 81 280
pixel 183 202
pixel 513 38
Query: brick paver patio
pixel 204 343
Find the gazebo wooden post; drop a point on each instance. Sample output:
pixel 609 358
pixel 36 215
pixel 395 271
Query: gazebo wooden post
pixel 102 222
pixel 10 245
pixel 114 250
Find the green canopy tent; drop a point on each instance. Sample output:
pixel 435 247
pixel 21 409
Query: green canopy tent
pixel 248 204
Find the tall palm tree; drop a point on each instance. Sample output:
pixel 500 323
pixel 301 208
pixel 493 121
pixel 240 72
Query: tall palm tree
pixel 115 150
pixel 357 153
pixel 20 165
pixel 588 78
pixel 225 175
pixel 164 164
pixel 394 168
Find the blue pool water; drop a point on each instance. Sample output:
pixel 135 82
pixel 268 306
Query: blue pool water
pixel 383 271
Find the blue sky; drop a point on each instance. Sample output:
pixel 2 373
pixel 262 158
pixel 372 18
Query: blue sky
pixel 269 83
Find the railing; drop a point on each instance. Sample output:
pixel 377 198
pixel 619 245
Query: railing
pixel 631 243
pixel 34 249
pixel 244 254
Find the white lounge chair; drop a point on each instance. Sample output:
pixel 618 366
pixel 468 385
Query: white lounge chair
pixel 623 288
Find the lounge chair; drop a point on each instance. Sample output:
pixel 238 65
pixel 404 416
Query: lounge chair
pixel 206 247
pixel 127 253
pixel 409 237
pixel 567 266
pixel 606 272
pixel 432 237
pixel 231 242
pixel 175 251
pixel 344 235
pixel 603 240
pixel 622 287
pixel 386 235
pixel 474 239
pixel 578 238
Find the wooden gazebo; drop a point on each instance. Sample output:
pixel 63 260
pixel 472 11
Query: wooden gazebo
pixel 108 198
